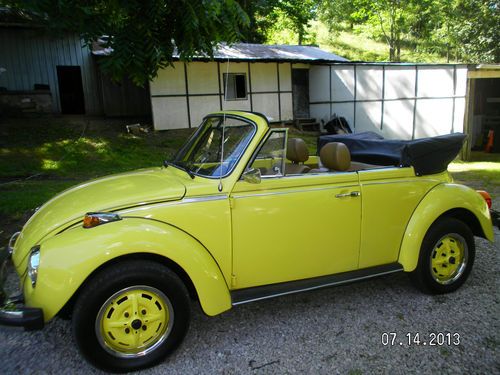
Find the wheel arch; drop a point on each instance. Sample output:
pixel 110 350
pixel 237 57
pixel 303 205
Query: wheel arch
pixel 444 200
pixel 73 257
pixel 67 309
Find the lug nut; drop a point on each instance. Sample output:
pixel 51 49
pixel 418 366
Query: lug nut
pixel 143 312
pixel 144 328
pixel 126 315
pixel 127 330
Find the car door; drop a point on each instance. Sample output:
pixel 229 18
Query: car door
pixel 296 227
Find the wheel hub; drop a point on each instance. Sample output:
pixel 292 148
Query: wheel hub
pixel 136 324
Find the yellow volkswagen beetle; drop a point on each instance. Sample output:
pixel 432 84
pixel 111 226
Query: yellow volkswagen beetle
pixel 242 213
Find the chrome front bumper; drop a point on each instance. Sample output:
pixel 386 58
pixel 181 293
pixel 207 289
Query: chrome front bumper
pixel 12 311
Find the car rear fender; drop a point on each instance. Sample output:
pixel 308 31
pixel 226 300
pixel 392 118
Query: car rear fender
pixel 70 258
pixel 445 199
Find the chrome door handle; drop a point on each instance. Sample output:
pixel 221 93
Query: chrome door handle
pixel 351 194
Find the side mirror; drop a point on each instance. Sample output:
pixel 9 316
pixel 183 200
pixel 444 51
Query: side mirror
pixel 252 176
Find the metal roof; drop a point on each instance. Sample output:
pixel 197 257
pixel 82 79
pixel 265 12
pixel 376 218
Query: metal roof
pixel 282 52
pixel 253 52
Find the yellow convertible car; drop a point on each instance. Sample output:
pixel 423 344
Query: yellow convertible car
pixel 242 213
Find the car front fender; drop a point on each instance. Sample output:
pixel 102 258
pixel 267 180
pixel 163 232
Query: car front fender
pixel 440 200
pixel 68 259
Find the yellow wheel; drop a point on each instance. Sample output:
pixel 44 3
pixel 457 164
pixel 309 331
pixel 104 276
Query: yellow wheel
pixel 134 321
pixel 131 315
pixel 446 257
pixel 449 258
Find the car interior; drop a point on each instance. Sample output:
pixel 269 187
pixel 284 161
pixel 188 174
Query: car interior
pixel 333 157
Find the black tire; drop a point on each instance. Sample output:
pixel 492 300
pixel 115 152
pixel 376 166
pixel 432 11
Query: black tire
pixel 448 247
pixel 151 285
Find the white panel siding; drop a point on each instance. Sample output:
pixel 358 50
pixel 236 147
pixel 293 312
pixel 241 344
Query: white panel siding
pixel 461 78
pixel 433 117
pixel 342 83
pixel 435 81
pixel 170 81
pixel 266 104
pixel 285 77
pixel 170 113
pixel 369 82
pixel 200 106
pixel 399 82
pixel 286 106
pixel 319 84
pixel 398 119
pixel 31 56
pixel 264 77
pixel 368 115
pixel 202 78
pixel 458 119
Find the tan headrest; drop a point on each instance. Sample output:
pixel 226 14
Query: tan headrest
pixel 336 156
pixel 296 150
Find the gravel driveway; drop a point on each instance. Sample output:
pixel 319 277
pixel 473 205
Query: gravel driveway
pixel 336 330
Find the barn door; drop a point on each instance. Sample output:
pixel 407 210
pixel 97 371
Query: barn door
pixel 300 93
pixel 70 89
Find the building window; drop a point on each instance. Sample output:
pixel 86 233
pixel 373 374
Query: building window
pixel 235 86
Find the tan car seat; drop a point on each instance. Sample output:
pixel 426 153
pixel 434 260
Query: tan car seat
pixel 296 152
pixel 334 156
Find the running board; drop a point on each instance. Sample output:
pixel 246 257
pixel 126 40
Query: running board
pixel 258 293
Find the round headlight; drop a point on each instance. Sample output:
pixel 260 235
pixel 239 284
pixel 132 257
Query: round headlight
pixel 33 263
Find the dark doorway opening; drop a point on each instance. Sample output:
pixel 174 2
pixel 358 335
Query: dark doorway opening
pixel 485 129
pixel 70 89
pixel 300 93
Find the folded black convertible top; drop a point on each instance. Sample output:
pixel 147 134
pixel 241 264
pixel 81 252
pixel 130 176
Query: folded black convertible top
pixel 426 155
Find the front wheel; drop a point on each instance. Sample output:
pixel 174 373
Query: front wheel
pixel 131 316
pixel 446 257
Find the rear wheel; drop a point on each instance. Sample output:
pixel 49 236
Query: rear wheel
pixel 131 316
pixel 446 257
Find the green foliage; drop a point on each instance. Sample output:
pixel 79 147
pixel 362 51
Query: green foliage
pixel 269 18
pixel 144 35
pixel 464 30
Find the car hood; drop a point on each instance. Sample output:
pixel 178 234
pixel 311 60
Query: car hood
pixel 104 194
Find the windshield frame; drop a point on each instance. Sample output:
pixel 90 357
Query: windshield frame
pixel 199 132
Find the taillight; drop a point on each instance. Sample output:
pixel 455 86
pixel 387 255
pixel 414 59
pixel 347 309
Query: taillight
pixel 486 196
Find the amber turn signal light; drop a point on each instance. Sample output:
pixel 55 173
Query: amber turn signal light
pixel 93 219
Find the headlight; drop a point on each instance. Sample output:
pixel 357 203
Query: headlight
pixel 93 219
pixel 33 263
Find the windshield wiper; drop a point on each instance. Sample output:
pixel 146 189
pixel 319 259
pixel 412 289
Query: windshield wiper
pixel 180 166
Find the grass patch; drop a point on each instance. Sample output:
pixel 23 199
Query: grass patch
pixel 49 154
pixel 19 197
pixel 483 171
pixel 53 147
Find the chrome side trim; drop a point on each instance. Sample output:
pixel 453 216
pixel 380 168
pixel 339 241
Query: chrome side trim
pixel 209 198
pixel 204 198
pixel 396 181
pixel 293 191
pixel 247 295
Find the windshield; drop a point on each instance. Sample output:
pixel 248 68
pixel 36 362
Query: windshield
pixel 206 155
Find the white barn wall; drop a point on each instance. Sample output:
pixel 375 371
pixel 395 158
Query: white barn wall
pixel 397 101
pixel 183 94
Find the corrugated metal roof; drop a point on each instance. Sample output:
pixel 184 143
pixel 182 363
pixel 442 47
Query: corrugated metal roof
pixel 246 51
pixel 256 52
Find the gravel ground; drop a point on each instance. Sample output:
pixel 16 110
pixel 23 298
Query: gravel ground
pixel 336 330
